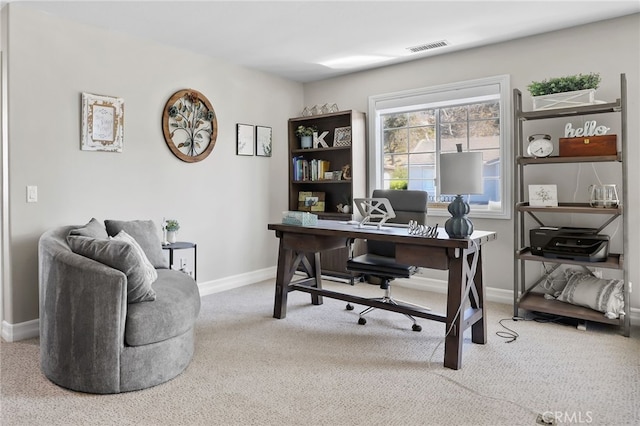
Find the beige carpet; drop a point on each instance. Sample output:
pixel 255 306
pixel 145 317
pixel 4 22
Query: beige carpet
pixel 319 367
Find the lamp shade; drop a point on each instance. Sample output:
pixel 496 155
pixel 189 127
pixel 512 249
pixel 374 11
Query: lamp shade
pixel 461 173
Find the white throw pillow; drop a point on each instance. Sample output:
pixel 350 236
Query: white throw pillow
pixel 599 294
pixel 150 271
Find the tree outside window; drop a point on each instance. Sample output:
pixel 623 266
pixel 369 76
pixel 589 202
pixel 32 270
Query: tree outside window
pixel 412 141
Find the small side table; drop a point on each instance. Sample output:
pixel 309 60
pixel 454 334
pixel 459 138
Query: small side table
pixel 182 245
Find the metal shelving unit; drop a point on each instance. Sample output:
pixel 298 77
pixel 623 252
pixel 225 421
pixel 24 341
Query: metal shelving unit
pixel 524 296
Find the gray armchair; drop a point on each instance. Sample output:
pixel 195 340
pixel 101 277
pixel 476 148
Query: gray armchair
pixel 93 340
pixel 379 261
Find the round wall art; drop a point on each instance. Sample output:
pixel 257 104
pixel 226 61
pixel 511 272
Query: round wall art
pixel 189 125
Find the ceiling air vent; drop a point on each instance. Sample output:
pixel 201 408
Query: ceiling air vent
pixel 428 46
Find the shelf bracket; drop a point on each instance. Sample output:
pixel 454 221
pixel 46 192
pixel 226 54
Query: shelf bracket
pixel 536 218
pixel 611 219
pixel 540 280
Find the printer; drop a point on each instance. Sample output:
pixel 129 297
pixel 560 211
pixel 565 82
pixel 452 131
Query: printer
pixel 579 244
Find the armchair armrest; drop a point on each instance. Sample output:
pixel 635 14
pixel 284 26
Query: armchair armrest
pixel 82 318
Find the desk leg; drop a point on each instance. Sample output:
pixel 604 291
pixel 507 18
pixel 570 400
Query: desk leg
pixel 317 270
pixel 479 329
pixel 283 278
pixel 453 340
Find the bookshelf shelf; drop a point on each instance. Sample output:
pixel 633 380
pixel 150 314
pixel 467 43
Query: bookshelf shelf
pixel 334 191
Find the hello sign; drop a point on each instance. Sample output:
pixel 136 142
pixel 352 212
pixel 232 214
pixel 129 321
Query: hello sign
pixel 589 129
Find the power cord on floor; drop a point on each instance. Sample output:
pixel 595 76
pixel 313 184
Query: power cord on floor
pixel 481 395
pixel 513 335
pixel 510 334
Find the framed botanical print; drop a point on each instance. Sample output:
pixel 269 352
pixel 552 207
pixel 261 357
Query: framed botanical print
pixel 263 141
pixel 244 139
pixel 543 196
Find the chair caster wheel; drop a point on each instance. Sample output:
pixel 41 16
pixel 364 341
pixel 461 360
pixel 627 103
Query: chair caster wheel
pixel 416 327
pixel 349 307
pixel 362 321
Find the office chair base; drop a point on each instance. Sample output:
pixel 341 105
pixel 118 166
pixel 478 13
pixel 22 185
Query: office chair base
pixel 362 320
pixel 414 327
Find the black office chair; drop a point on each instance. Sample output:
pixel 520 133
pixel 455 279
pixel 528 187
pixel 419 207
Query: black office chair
pixel 379 261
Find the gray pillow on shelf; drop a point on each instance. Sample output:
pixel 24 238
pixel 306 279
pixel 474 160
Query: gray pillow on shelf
pixel 119 255
pixel 604 295
pixel 145 233
pixel 93 229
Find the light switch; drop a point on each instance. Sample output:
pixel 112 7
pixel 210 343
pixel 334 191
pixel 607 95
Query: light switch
pixel 32 194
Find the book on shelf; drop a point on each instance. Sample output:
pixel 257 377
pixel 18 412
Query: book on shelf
pixel 310 170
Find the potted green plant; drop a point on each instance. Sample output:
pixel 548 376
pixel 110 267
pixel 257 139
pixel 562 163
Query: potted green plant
pixel 171 226
pixel 562 92
pixel 305 133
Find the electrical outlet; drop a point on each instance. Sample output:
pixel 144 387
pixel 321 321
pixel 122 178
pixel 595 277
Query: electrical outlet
pixel 32 194
pixel 183 263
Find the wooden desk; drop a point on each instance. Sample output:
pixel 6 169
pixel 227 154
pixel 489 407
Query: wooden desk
pixel 444 253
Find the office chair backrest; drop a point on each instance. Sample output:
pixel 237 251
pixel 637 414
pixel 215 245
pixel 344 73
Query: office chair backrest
pixel 408 205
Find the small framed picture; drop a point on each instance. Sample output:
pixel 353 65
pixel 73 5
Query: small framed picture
pixel 102 123
pixel 245 139
pixel 543 196
pixel 311 201
pixel 342 136
pixel 263 141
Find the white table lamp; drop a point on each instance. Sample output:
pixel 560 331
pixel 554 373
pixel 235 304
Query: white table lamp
pixel 460 174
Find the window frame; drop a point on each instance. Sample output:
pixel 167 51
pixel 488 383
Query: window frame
pixel 437 94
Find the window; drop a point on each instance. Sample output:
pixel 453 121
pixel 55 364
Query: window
pixel 410 129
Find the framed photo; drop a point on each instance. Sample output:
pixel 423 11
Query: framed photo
pixel 102 123
pixel 245 139
pixel 311 201
pixel 543 196
pixel 342 136
pixel 263 141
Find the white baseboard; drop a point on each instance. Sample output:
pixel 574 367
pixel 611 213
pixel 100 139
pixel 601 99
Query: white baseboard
pixel 20 331
pixel 440 286
pixel 30 329
pixel 228 283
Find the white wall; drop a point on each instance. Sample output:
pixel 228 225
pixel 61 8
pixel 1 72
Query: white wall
pixel 609 47
pixel 223 203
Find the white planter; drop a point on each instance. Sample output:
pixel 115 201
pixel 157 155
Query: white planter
pixel 306 141
pixel 565 100
pixel 171 236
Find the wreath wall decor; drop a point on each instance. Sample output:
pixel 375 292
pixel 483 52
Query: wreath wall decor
pixel 189 125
